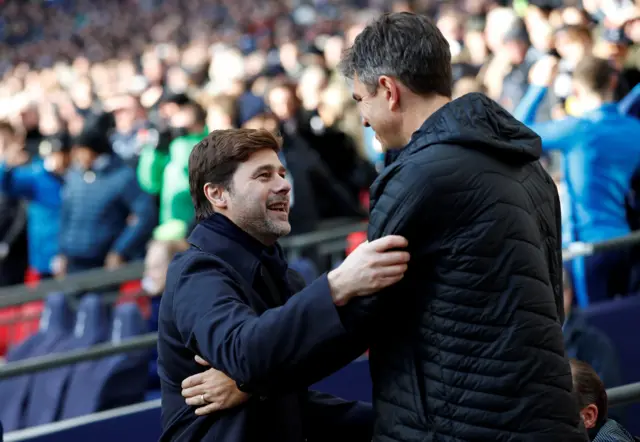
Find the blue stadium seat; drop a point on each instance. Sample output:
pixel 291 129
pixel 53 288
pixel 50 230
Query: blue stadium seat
pixel 618 319
pixel 114 381
pixel 306 268
pixel 55 326
pixel 49 387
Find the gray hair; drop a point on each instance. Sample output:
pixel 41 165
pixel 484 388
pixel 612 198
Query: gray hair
pixel 406 46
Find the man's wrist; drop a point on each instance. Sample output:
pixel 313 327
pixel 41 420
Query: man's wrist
pixel 338 292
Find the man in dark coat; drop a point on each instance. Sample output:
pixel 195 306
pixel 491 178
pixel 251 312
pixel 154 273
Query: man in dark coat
pixel 471 348
pixel 230 299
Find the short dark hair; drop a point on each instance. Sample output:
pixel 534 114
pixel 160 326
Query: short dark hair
pixel 595 74
pixel 215 159
pixel 403 45
pixel 589 389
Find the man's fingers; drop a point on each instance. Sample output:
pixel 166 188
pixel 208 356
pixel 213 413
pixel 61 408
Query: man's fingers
pixel 386 282
pixel 192 381
pixel 393 271
pixel 194 391
pixel 389 242
pixel 194 401
pixel 207 409
pixel 393 258
pixel 201 361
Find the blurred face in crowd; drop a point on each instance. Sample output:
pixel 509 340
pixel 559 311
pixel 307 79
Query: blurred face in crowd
pixel 30 118
pixel 156 263
pixel 217 119
pixel 126 114
pixel 82 93
pixel 378 111
pixel 632 30
pixel 310 88
pixel 257 199
pixel 83 156
pixel 282 103
pixel 333 51
pixel 516 50
pixel 541 35
pixel 177 79
pixel 186 118
pixel 153 69
pixel 6 140
pixel 57 162
pixel 477 46
pixel 571 47
pixel 498 22
pixel 289 56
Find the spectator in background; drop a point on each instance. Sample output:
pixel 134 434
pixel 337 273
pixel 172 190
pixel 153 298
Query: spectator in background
pixel 598 164
pixel 13 217
pixel 520 56
pixel 586 343
pixel 592 399
pixel 30 120
pixel 106 218
pixel 329 147
pixel 166 173
pixel 130 118
pixel 40 183
pixel 156 264
pixel 222 113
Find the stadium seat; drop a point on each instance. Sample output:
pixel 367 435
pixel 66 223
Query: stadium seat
pixel 49 387
pixel 114 381
pixel 617 318
pixel 306 268
pixel 55 326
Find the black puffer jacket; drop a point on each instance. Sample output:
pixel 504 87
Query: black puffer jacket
pixel 469 347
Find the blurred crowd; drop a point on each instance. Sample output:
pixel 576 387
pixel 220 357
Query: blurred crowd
pixel 101 103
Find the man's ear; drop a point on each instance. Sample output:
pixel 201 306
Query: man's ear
pixel 390 89
pixel 216 196
pixel 590 415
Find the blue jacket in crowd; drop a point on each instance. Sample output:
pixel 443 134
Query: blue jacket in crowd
pixel 601 153
pixel 34 183
pixel 96 209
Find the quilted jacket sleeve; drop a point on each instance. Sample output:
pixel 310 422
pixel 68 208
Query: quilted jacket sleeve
pixel 403 201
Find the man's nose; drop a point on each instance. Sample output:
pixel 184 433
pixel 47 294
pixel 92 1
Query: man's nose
pixel 365 122
pixel 283 185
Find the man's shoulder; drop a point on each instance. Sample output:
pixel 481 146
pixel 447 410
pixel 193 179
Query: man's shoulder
pixel 193 261
pixel 195 271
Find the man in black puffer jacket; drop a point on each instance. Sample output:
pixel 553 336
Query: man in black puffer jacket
pixel 468 346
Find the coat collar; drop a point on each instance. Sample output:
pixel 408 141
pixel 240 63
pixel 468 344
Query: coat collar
pixel 244 261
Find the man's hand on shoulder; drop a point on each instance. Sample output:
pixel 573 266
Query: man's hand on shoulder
pixel 371 267
pixel 211 391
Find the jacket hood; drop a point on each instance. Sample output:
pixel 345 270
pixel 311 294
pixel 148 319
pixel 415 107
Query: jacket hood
pixel 476 122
